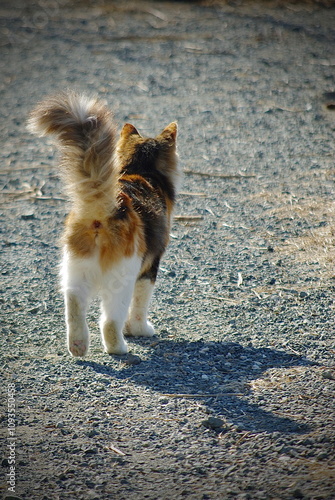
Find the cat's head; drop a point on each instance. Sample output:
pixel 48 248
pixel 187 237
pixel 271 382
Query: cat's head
pixel 139 155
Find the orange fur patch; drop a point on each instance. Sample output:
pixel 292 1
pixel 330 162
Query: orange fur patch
pixel 111 237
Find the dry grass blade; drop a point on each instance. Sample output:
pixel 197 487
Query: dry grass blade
pixel 160 418
pixel 209 395
pixel 5 171
pixel 47 394
pixel 34 194
pixel 257 294
pixel 57 198
pixel 116 450
pixel 243 437
pixel 239 175
pixel 224 299
pixel 188 217
pixel 186 193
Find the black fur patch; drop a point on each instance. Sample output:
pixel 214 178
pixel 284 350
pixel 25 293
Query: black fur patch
pixel 151 273
pixel 151 209
pixel 143 163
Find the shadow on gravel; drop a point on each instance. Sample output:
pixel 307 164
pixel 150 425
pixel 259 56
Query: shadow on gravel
pixel 217 374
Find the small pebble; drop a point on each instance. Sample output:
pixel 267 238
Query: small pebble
pixel 91 451
pixel 213 423
pixel 132 359
pixel 297 493
pixel 28 216
pixel 328 374
pixel 92 433
pixel 164 400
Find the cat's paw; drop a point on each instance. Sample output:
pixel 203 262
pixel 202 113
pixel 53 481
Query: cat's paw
pixel 78 347
pixel 112 338
pixel 139 329
pixel 120 347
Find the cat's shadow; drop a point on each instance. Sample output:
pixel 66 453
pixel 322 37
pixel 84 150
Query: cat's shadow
pixel 217 374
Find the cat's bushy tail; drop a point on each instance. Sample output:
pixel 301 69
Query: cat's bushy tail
pixel 86 132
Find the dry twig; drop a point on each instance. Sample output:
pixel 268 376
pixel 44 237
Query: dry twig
pixel 186 193
pixel 116 450
pixel 190 396
pixel 239 175
pixel 188 217
pixel 4 171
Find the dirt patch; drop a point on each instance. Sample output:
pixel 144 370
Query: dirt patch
pixel 233 397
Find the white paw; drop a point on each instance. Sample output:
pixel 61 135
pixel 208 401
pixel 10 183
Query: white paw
pixel 78 347
pixel 112 338
pixel 120 347
pixel 139 329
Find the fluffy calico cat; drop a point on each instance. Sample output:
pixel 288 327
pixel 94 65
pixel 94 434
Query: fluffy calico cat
pixel 122 195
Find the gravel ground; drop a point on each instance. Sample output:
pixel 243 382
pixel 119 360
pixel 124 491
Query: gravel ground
pixel 234 396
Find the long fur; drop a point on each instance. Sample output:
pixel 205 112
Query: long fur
pixel 122 195
pixel 87 137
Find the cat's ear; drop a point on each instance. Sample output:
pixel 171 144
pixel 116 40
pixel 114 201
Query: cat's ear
pixel 170 132
pixel 129 130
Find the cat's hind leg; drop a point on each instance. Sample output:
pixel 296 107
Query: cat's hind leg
pixel 76 326
pixel 137 323
pixel 116 297
pixel 77 287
